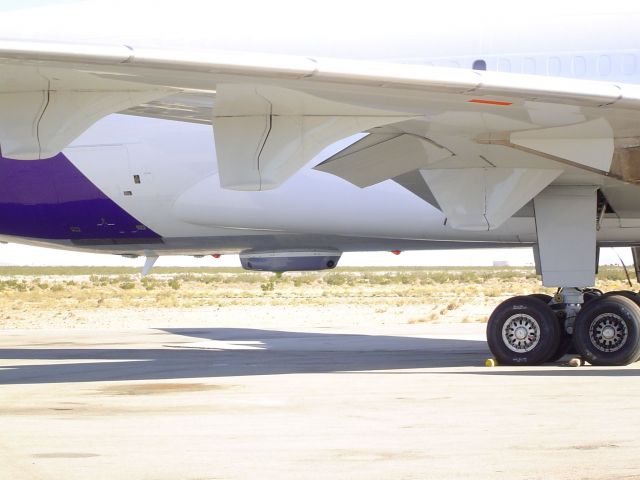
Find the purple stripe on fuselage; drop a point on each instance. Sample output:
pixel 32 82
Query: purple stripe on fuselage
pixel 52 199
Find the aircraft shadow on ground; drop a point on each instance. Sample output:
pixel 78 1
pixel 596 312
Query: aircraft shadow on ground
pixel 270 353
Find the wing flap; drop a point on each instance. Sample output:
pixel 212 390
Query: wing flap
pixel 266 134
pixel 378 157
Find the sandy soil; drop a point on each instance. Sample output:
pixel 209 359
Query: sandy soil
pixel 341 298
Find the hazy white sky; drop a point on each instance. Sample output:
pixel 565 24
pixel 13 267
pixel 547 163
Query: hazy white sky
pixel 24 255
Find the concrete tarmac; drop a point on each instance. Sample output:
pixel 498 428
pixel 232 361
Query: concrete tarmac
pixel 239 403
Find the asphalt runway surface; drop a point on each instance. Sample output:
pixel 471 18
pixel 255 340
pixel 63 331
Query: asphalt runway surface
pixel 239 403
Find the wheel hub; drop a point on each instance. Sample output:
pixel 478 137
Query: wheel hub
pixel 608 332
pixel 521 333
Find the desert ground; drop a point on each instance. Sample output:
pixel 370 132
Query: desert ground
pixel 104 297
pixel 348 374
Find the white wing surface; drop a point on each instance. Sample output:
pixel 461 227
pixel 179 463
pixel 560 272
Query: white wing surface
pixel 484 143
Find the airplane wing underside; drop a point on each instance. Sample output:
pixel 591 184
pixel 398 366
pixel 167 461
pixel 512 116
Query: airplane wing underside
pixel 479 145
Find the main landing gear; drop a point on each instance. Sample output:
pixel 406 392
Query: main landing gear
pixel 534 329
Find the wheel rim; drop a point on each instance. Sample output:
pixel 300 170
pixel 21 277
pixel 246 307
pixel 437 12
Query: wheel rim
pixel 521 333
pixel 608 332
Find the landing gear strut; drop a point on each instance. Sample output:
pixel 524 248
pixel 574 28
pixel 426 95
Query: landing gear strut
pixel 604 328
pixel 534 329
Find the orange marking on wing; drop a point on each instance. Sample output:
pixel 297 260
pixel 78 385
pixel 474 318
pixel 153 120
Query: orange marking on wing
pixel 491 102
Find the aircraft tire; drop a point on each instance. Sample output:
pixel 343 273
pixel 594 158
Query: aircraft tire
pixel 523 330
pixel 565 339
pixel 625 293
pixel 564 346
pixel 541 296
pixel 607 331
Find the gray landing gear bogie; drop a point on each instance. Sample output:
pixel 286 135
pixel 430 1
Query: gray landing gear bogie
pixel 591 293
pixel 603 328
pixel 523 330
